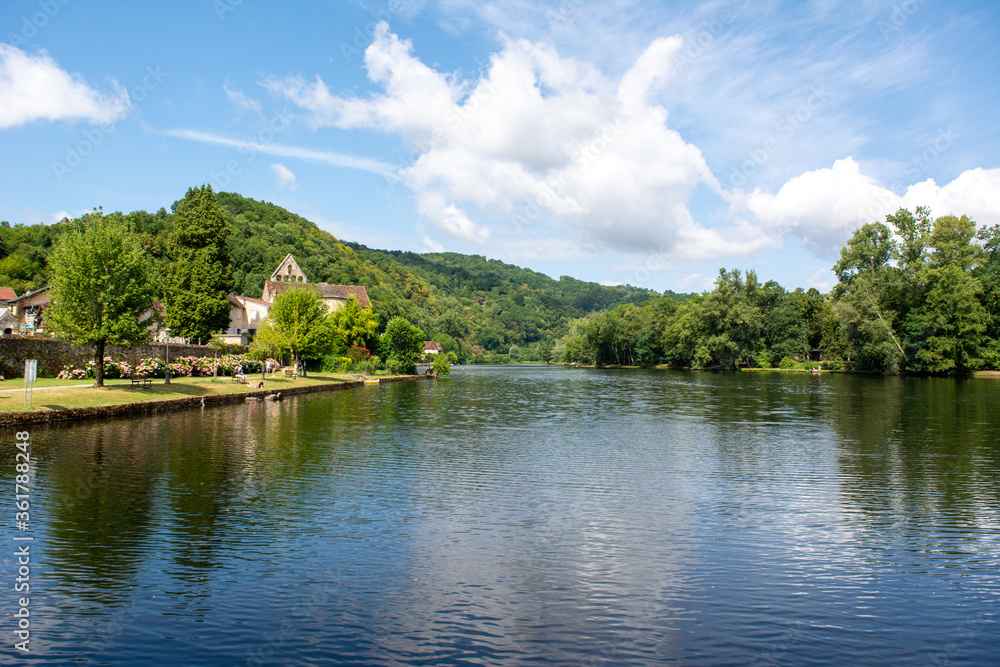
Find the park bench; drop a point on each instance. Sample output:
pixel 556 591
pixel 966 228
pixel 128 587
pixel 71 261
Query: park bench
pixel 240 378
pixel 290 373
pixel 140 379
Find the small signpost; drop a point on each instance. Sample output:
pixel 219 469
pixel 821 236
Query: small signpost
pixel 30 378
pixel 167 375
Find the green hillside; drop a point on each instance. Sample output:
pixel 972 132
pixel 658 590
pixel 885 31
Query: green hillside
pixel 485 303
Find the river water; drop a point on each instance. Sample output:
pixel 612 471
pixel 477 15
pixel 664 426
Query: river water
pixel 526 515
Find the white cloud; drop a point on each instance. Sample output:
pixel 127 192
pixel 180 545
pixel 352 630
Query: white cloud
pixel 432 245
pixel 541 150
pixel 35 88
pixel 610 283
pixel 975 193
pixel 536 139
pixel 240 100
pixel 285 177
pixel 823 207
pixel 696 282
pixel 450 218
pixel 822 279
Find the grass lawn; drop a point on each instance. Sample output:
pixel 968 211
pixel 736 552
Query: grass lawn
pixel 51 394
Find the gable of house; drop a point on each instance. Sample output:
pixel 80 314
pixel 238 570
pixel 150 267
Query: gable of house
pixel 288 275
pixel 288 271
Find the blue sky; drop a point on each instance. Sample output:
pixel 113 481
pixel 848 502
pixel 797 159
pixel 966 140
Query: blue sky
pixel 648 143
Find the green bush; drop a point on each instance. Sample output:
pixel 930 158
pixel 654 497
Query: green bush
pixel 787 363
pixel 763 359
pixel 441 365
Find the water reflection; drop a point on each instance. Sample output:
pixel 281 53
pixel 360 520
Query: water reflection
pixel 919 458
pixel 531 516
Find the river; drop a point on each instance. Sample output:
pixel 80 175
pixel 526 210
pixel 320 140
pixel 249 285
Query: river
pixel 525 515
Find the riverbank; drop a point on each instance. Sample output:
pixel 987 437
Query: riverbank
pixel 75 401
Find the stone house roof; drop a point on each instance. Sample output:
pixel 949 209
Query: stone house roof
pixel 327 291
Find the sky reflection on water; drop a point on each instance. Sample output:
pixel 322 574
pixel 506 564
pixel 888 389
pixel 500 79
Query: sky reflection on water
pixel 530 515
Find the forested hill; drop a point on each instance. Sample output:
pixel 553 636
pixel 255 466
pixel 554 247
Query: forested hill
pixel 511 305
pixel 484 302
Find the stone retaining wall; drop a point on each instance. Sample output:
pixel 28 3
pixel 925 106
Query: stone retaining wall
pixel 52 355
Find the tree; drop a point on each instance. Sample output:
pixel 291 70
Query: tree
pixel 866 296
pixel 441 364
pixel 811 307
pixel 684 336
pixel 101 287
pixel 913 231
pixel 869 249
pixel 987 272
pixel 784 327
pixel 403 344
pixel 198 279
pixel 951 319
pixel 733 319
pixel 354 325
pixel 299 323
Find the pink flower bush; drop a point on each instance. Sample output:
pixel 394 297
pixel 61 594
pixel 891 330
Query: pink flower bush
pixel 179 367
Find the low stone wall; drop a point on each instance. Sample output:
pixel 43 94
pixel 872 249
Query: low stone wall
pixel 52 355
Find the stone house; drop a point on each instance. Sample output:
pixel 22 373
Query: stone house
pixel 289 274
pixel 247 313
pixel 245 317
pixel 29 309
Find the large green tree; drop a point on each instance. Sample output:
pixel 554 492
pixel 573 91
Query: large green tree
pixel 403 343
pixel 101 286
pixel 951 320
pixel 867 298
pixel 734 321
pixel 198 277
pixel 685 335
pixel 987 272
pixel 298 322
pixel 354 325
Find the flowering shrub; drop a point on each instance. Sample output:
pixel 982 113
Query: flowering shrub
pixel 358 353
pixel 68 373
pixel 179 367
